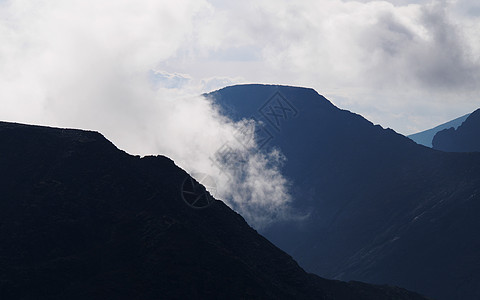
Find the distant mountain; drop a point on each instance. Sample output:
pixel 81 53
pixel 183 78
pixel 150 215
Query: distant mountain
pixel 382 209
pixel 80 219
pixel 465 138
pixel 426 137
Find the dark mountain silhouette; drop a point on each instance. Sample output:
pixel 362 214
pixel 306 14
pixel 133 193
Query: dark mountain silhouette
pixel 426 137
pixel 382 209
pixel 465 138
pixel 80 219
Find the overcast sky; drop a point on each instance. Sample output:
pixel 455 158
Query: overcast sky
pixel 133 70
pixel 408 65
pixel 403 64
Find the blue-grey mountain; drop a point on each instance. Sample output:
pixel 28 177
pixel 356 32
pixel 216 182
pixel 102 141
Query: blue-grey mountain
pixel 382 209
pixel 465 138
pixel 426 137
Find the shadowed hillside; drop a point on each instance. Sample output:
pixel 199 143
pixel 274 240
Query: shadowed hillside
pixel 80 219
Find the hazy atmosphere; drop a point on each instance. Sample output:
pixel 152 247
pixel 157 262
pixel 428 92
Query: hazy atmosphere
pixel 240 149
pixel 134 71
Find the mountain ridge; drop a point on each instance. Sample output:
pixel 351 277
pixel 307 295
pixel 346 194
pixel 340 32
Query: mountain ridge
pixel 426 137
pixel 82 219
pixel 377 200
pixel 464 138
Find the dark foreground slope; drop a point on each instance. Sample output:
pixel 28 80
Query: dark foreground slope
pixel 382 209
pixel 465 138
pixel 80 219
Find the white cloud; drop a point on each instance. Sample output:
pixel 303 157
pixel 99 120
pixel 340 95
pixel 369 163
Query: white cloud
pixel 88 64
pixel 404 64
pixel 389 58
pixel 165 79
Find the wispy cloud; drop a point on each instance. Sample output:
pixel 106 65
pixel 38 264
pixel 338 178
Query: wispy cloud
pixel 390 59
pixel 134 70
pixel 97 65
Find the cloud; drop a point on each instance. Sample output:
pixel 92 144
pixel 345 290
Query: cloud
pixel 385 57
pixel 168 80
pixel 371 45
pixel 134 71
pixel 215 83
pixel 88 64
pixel 430 54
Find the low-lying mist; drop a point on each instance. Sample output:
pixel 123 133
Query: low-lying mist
pixel 88 64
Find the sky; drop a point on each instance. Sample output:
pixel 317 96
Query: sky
pixel 134 71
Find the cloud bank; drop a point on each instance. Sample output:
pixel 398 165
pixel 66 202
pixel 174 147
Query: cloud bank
pixel 94 65
pixel 405 64
pixel 134 70
pixel 402 63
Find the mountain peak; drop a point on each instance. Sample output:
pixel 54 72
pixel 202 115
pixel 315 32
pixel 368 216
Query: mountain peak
pixel 238 101
pixel 377 204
